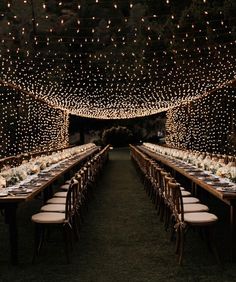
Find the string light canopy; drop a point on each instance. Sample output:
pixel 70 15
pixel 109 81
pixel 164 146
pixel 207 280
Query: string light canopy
pixel 28 125
pixel 117 59
pixel 206 124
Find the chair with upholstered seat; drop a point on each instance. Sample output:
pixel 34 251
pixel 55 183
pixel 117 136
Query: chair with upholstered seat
pixel 60 194
pixel 53 208
pixel 191 204
pixel 65 219
pixel 65 186
pixel 57 200
pixel 53 205
pixel 184 220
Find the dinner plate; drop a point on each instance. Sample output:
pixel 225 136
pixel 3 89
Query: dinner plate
pixel 223 184
pixel 210 182
pixel 193 173
pixel 226 189
pixel 201 177
pixel 44 178
pixel 21 191
pixel 3 194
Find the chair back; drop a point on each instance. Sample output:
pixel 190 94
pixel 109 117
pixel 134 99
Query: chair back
pixel 157 175
pixel 176 200
pixel 167 191
pixel 71 200
pixel 163 174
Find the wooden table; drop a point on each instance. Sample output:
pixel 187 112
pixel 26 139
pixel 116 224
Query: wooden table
pixel 10 203
pixel 226 197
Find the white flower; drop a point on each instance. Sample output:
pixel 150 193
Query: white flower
pixel 233 172
pixel 10 176
pixel 3 182
pixel 21 172
pixel 223 171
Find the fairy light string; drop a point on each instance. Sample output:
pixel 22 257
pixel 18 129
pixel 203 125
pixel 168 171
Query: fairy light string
pixel 116 59
pixel 206 124
pixel 29 125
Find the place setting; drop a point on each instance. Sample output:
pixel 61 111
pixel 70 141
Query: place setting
pixel 3 193
pixel 230 188
pixel 20 191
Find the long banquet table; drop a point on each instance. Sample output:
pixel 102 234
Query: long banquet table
pixel 228 198
pixel 10 202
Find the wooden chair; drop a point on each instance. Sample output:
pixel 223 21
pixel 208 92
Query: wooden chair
pixel 161 210
pixel 66 220
pixel 156 185
pixel 183 221
pixel 189 206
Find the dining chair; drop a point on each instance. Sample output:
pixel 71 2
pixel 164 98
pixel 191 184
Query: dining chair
pixel 66 220
pixel 156 185
pixel 184 220
pixel 190 204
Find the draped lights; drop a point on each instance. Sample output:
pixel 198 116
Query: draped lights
pixel 121 94
pixel 113 65
pixel 29 125
pixel 206 124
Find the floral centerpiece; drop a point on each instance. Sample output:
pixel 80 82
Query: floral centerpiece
pixel 215 164
pixel 2 182
pixel 10 176
pixel 227 171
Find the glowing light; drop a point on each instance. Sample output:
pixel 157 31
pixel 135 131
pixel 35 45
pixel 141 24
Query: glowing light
pixel 205 124
pixel 91 66
pixel 29 125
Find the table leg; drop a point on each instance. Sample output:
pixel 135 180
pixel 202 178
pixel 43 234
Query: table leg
pixel 10 219
pixel 47 193
pixel 193 188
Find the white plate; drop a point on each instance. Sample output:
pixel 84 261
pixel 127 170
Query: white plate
pixel 210 182
pixel 45 179
pixel 28 190
pixel 3 194
pixel 226 189
pixel 21 191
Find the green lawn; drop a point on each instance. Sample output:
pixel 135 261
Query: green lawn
pixel 122 240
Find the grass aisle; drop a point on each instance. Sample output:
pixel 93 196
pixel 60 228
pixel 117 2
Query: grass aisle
pixel 122 240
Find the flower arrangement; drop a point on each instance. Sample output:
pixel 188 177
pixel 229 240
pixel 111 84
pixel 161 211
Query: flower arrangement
pixel 2 182
pixel 215 165
pixel 10 176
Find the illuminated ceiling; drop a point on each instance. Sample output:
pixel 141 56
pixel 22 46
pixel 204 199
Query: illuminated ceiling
pixel 117 59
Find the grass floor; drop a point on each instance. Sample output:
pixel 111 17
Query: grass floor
pixel 122 240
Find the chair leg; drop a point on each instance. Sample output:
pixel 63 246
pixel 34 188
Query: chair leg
pixel 177 243
pixel 162 209
pixel 172 226
pixel 38 240
pixel 153 197
pixel 67 240
pixel 181 250
pixel 76 227
pixel 156 200
pixel 167 218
